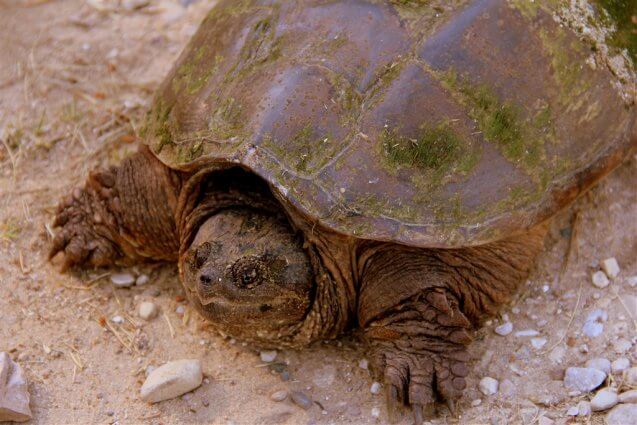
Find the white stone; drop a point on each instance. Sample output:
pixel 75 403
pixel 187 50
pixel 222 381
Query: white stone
pixel 172 380
pixel 631 377
pixel 527 332
pixel 477 402
pixel 621 345
pixel 611 267
pixel 375 412
pixel 620 365
pixel 14 394
pixel 488 386
pixel 142 279
pixel 572 411
pixel 375 388
pixel 599 279
pixel 363 364
pixel 117 320
pixel 538 343
pixel 628 397
pixel 624 414
pixel 147 310
pixel 593 326
pixel 504 329
pixel 632 281
pixel 600 364
pixel 604 400
pixel 545 421
pixel 180 310
pixel 583 379
pixel 268 356
pixel 122 280
pixel 584 408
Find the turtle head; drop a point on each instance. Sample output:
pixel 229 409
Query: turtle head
pixel 247 272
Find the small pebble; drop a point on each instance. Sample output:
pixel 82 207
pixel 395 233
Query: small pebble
pixel 375 412
pixel 141 280
pixel 279 396
pixel 14 391
pixel 122 280
pixel 600 364
pixel 620 365
pixel 557 354
pixel 180 310
pixel 624 414
pixel 301 400
pixel 593 326
pixel 611 267
pixel 363 364
pixel 621 345
pixel 631 377
pixel 375 388
pixel 147 310
pixel 632 281
pixel 172 380
pixel 488 386
pixel 599 279
pixel 583 379
pixel 604 400
pixel 545 421
pixel 527 332
pixel 584 408
pixel 268 356
pixel 477 402
pixel 504 329
pixel 572 411
pixel 117 319
pixel 628 397
pixel 538 343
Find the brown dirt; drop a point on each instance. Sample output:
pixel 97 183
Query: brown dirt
pixel 74 84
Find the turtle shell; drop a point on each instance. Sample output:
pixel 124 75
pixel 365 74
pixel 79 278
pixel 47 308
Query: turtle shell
pixel 437 123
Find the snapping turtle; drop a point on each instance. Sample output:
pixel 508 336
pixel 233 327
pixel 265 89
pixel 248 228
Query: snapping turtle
pixel 315 166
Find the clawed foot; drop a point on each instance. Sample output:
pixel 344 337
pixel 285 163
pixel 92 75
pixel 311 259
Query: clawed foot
pixel 420 379
pixel 84 237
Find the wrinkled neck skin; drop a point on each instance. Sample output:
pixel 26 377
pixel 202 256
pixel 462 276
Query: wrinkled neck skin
pixel 332 304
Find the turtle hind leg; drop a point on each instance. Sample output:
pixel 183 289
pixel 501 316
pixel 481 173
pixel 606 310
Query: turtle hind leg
pixel 122 215
pixel 419 307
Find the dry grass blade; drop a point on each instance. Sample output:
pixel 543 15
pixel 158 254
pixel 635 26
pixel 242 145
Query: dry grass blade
pixel 170 326
pixel 119 337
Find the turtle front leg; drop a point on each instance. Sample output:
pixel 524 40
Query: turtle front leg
pixel 418 308
pixel 121 216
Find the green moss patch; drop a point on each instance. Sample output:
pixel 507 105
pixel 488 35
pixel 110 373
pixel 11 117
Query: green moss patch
pixel 501 122
pixel 623 16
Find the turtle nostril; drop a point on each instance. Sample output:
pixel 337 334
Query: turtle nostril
pixel 205 279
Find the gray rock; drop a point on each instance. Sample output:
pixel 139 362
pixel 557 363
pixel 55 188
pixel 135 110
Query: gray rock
pixel 363 364
pixel 172 380
pixel 122 280
pixel 375 388
pixel 557 354
pixel 268 356
pixel 621 345
pixel 488 385
pixel 141 280
pixel 599 279
pixel 624 414
pixel 628 397
pixel 506 388
pixel 538 343
pixel 593 326
pixel 600 363
pixel 583 379
pixel 279 396
pixel 375 412
pixel 504 329
pixel 631 377
pixel 620 365
pixel 14 394
pixel 572 411
pixel 632 281
pixel 604 400
pixel 527 332
pixel 301 399
pixel 584 408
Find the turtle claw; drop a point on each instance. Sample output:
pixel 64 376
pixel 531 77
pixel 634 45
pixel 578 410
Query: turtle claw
pixel 391 394
pixel 418 417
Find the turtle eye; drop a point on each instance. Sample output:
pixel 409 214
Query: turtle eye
pixel 249 272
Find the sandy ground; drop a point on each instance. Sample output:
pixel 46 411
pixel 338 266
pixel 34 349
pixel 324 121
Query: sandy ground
pixel 74 84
